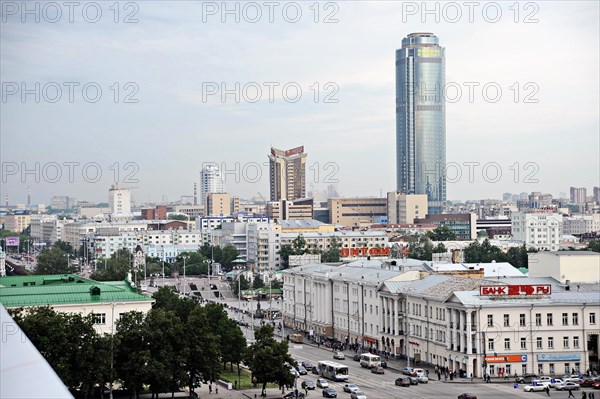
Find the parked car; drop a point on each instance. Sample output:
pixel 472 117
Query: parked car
pixel 308 384
pixel 301 370
pixel 358 395
pixel 587 383
pixel 573 378
pixel 567 386
pixel 526 378
pixel 596 385
pixel 402 381
pixel 384 364
pixel 377 370
pixel 356 357
pixel 534 388
pixel 322 383
pixel 556 382
pixel 408 370
pixel 422 378
pixel 339 356
pixel 467 396
pixel 329 393
pixel 543 379
pixel 350 388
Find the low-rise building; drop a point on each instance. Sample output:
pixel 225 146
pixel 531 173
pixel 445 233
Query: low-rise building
pixel 541 229
pixel 464 225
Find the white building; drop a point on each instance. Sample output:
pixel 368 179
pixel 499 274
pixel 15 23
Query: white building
pixel 211 181
pixel 48 228
pixel 581 224
pixel 76 233
pixel 541 230
pixel 119 202
pixel 566 266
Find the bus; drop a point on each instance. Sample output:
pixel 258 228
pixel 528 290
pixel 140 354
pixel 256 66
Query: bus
pixel 332 370
pixel 369 360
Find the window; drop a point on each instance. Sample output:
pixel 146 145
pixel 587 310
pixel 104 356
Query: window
pixel 565 342
pixel 99 318
pixel 522 319
pixel 565 319
pixel 551 368
pixel 523 343
pixel 549 319
pixel 592 318
pixel 575 342
pixel 507 343
pixel 506 320
pixel 567 368
pixel 539 343
pixel 490 319
pixel 540 369
pixel 523 369
pixel 508 369
pixel 491 344
pixel 538 319
pixel 550 342
pixel 575 319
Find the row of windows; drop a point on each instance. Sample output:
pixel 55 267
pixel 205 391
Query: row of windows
pixel 539 344
pixel 538 319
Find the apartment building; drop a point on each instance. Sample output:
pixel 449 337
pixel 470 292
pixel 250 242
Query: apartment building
pixel 541 230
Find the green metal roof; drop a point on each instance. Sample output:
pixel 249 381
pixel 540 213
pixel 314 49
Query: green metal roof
pixel 61 289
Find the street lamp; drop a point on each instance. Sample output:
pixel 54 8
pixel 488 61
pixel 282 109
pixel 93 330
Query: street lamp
pixel 184 256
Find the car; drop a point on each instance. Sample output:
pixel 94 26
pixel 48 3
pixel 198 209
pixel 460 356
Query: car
pixel 573 378
pixel 301 370
pixel 526 378
pixel 356 357
pixel 596 385
pixel 384 364
pixel 308 384
pixel 587 383
pixel 295 372
pixel 407 371
pixel 413 380
pixel 402 381
pixel 543 379
pixel 422 378
pixel 467 396
pixel 534 388
pixel 307 365
pixel 358 395
pixel 322 383
pixel 557 381
pixel 377 370
pixel 292 395
pixel 350 388
pixel 567 386
pixel 339 356
pixel 329 393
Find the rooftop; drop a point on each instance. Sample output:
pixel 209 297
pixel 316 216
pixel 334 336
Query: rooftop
pixel 63 289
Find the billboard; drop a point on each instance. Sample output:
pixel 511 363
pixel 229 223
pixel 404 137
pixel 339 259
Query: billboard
pixel 515 290
pixel 506 359
pixel 12 241
pixel 347 252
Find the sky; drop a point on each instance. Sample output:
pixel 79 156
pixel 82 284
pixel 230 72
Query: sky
pixel 145 93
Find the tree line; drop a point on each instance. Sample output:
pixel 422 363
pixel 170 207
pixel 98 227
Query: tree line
pixel 177 344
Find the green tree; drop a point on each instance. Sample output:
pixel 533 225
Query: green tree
pixel 203 352
pixel 332 254
pixel 441 233
pixel 284 253
pixel 132 352
pixel 195 263
pixel 440 248
pixel 227 255
pixel 269 359
pixel 241 284
pixel 54 260
pixel 258 282
pixel 116 268
pixel 420 247
pixel 65 246
pixel 594 245
pixel 175 216
pixel 167 299
pixel 299 245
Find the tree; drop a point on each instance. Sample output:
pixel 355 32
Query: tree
pixel 594 245
pixel 65 246
pixel 228 254
pixel 284 253
pixel 167 299
pixel 269 359
pixel 175 216
pixel 420 247
pixel 332 254
pixel 132 351
pixel 54 260
pixel 241 284
pixel 440 249
pixel 441 233
pixel 299 245
pixel 203 352
pixel 258 281
pixel 116 268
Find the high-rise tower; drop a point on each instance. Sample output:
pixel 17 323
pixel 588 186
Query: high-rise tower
pixel 287 172
pixel 211 181
pixel 421 119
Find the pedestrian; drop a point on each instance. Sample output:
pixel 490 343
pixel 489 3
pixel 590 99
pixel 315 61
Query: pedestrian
pixel 210 388
pixel 583 395
pixel 216 390
pixel 471 377
pixel 547 389
pixel 571 394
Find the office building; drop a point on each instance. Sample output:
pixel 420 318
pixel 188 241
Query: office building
pixel 578 195
pixel 541 230
pixel 287 173
pixel 218 204
pixel 211 181
pixel 421 119
pixel 354 211
pixel 404 208
pixel 119 201
pixel 290 210
pixel 464 225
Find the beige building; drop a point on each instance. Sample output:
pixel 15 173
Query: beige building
pixel 563 266
pixel 404 208
pixel 288 210
pixel 353 211
pixel 287 171
pixel 218 204
pixel 17 223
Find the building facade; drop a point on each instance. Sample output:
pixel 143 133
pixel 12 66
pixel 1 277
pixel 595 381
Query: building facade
pixel 287 173
pixel 541 230
pixel 218 204
pixel 421 119
pixel 119 201
pixel 404 208
pixel 464 225
pixel 211 181
pixel 354 211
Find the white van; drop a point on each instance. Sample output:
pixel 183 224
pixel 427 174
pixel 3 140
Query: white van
pixel 419 372
pixel 369 360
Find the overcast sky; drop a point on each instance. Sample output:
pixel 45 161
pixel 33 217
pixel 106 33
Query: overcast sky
pixel 161 114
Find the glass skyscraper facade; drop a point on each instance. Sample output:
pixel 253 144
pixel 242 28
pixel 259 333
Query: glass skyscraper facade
pixel 421 119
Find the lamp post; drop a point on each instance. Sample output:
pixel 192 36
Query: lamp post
pixel 184 258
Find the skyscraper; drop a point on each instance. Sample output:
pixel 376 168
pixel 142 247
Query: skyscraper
pixel 287 172
pixel 210 181
pixel 421 119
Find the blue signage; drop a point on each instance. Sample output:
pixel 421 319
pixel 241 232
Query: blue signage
pixel 552 358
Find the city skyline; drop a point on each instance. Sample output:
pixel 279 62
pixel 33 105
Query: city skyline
pixel 161 142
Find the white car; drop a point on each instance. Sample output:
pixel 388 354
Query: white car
pixel 534 388
pixel 543 379
pixel 567 386
pixel 572 378
pixel 322 383
pixel 358 395
pixel 557 381
pixel 351 388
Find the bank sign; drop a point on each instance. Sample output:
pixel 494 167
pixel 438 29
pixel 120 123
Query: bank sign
pixel 515 290
pixel 349 252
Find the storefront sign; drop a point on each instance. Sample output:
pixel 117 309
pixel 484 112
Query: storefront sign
pixel 506 359
pixel 515 290
pixel 12 241
pixel 346 252
pixel 414 343
pixel 558 358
